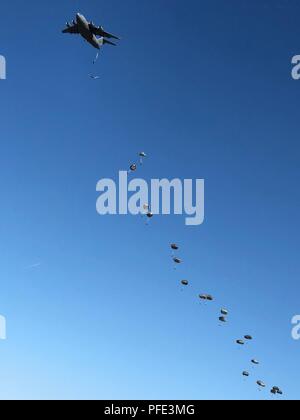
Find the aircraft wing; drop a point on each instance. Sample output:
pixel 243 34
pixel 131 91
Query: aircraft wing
pixel 98 30
pixel 71 29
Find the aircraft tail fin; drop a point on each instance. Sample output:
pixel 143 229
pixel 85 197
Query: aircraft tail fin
pixel 105 41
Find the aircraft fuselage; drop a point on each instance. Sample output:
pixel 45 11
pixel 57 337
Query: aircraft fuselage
pixel 85 32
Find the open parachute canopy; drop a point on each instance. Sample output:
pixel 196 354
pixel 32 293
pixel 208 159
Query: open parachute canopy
pixel 275 390
pixel 142 156
pixel 184 283
pixel 261 384
pixel 206 297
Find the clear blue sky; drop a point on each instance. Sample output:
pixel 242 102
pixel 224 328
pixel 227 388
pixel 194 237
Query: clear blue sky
pixel 204 87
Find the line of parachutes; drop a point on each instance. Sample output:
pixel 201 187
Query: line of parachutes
pixel 275 390
pixel 205 297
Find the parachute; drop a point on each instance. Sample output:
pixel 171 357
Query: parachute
pixel 255 362
pixel 248 337
pixel 174 247
pixel 146 212
pixel 261 384
pixel 206 297
pixel 185 283
pixel 275 390
pixel 224 314
pixel 96 58
pixel 142 156
pixel 240 342
pixel 133 168
pixel 246 374
pixel 149 216
pixel 279 392
pixel 177 260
